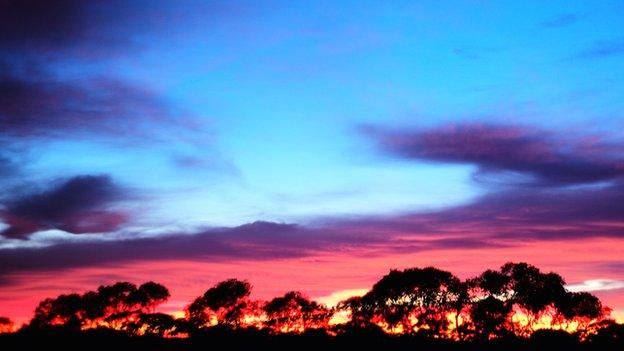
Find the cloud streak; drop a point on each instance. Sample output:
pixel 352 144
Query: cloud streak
pixel 253 241
pixel 597 285
pixel 546 158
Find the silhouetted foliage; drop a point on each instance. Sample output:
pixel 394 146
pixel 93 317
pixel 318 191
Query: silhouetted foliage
pixel 607 333
pixel 227 303
pixel 159 324
pixel 294 312
pixel 515 307
pixel 489 316
pixel 115 306
pixel 519 299
pixel 414 300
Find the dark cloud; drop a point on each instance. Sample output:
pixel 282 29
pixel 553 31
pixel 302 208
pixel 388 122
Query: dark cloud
pixel 518 215
pixel 77 205
pixel 97 29
pixel 254 241
pixel 548 158
pixel 603 49
pixel 71 27
pixel 561 21
pixel 97 107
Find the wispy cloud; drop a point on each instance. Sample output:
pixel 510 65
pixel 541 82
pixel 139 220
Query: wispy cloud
pixel 597 285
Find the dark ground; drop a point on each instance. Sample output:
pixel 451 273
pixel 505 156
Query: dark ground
pixel 255 340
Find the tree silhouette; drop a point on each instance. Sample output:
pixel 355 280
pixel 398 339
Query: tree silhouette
pixel 514 298
pixel 489 316
pixel 294 312
pixel 532 291
pixel 148 295
pixel 581 307
pixel 491 305
pixel 224 304
pixel 360 311
pixel 515 301
pixel 460 305
pixel 414 300
pixel 116 306
pixel 64 311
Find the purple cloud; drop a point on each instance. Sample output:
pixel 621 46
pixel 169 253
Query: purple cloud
pixel 517 215
pixel 254 241
pixel 46 107
pixel 548 158
pixel 77 205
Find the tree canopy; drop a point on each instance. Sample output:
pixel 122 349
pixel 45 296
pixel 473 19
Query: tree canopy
pixel 516 300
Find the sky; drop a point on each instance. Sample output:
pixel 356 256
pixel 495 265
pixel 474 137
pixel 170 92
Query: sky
pixel 308 145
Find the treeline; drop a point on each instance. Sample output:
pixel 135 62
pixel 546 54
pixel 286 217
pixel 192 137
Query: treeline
pixel 515 301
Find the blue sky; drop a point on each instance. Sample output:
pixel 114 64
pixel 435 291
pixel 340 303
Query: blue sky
pixel 279 92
